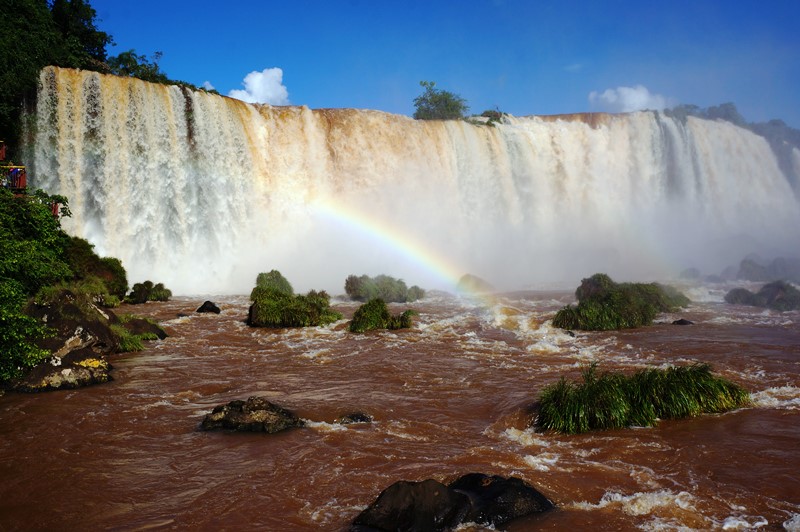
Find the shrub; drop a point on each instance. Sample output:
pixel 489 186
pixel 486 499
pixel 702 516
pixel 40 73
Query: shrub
pixel 436 104
pixel 275 305
pixel 147 291
pixel 374 314
pixel 605 305
pixel 391 290
pixel 612 400
pixel 274 280
pixel 18 332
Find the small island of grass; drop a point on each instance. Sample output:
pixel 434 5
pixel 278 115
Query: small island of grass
pixel 604 305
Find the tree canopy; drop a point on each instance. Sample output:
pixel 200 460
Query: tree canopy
pixel 437 104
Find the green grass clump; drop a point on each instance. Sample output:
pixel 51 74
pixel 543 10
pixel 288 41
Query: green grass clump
pixel 391 290
pixel 374 314
pixel 605 305
pixel 612 400
pixel 275 305
pixel 147 291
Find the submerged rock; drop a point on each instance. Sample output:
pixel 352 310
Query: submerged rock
pixel 430 505
pixel 354 417
pixel 683 321
pixel 257 414
pixel 209 306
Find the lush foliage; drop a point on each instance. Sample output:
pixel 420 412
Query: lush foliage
pixel 388 288
pixel 276 305
pixel 612 400
pixel 605 305
pixel 147 291
pixel 38 33
pixel 374 314
pixel 18 332
pixel 275 281
pixel 437 104
pixel 778 295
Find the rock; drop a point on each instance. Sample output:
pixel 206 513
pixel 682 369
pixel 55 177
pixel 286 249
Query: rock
pixel 777 295
pixel 682 321
pixel 256 414
pixel 430 505
pixel 78 368
pixel 495 500
pixel 354 417
pixel 426 505
pixel 472 284
pixel 144 327
pixel 208 306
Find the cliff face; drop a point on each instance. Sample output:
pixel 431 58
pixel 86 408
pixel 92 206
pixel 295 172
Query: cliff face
pixel 202 192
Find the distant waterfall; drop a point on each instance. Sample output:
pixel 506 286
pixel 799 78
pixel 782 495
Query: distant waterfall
pixel 202 192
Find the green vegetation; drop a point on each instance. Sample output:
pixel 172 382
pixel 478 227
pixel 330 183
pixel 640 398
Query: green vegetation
pixel 276 305
pixel 18 332
pixel 437 104
pixel 147 291
pixel 605 305
pixel 778 295
pixel 374 314
pixel 385 287
pixel 612 400
pixel 64 33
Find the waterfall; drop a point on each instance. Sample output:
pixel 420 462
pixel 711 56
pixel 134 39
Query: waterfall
pixel 202 192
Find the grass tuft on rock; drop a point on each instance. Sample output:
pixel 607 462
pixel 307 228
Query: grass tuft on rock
pixel 276 305
pixel 605 305
pixel 612 400
pixel 374 314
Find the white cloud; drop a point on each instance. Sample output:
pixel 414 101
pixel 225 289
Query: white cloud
pixel 263 87
pixel 628 99
pixel 574 67
pixel 208 86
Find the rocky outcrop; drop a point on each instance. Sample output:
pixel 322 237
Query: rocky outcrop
pixel 78 368
pixel 354 417
pixel 208 306
pixel 83 336
pixel 778 295
pixel 256 414
pixel 431 505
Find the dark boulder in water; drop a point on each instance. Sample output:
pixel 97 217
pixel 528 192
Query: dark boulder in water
pixel 209 306
pixel 257 414
pixel 426 505
pixel 430 505
pixel 682 321
pixel 496 500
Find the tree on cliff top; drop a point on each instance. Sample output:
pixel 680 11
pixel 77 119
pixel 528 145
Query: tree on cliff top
pixel 437 104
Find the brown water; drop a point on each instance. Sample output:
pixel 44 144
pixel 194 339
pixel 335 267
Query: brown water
pixel 448 397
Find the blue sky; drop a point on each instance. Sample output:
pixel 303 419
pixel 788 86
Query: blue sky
pixel 519 56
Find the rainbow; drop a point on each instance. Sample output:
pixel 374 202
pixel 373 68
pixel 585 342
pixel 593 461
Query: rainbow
pixel 394 238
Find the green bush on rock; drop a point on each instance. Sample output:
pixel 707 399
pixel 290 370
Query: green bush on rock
pixel 147 291
pixel 612 400
pixel 605 305
pixel 385 287
pixel 275 305
pixel 374 314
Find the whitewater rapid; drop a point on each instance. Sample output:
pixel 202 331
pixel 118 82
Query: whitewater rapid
pixel 202 192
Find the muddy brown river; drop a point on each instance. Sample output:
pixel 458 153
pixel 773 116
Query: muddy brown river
pixel 448 397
